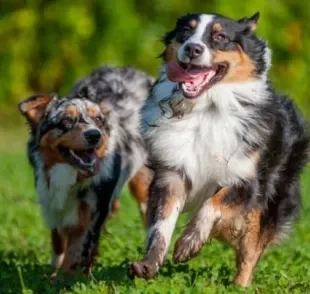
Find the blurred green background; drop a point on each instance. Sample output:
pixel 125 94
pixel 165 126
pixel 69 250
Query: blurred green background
pixel 45 45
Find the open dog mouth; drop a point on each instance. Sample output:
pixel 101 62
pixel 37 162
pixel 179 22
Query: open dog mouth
pixel 194 79
pixel 86 161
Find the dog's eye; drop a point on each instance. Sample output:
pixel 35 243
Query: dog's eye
pixel 186 31
pixel 99 121
pixel 67 121
pixel 184 34
pixel 219 37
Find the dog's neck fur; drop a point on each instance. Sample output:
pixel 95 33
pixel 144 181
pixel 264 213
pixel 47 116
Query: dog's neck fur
pixel 57 190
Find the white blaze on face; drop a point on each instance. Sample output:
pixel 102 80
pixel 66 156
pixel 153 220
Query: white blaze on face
pixel 197 38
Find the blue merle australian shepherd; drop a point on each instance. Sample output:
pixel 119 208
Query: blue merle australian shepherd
pixel 83 149
pixel 223 144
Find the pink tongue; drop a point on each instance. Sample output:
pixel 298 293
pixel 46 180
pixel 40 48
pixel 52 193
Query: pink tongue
pixel 88 156
pixel 176 73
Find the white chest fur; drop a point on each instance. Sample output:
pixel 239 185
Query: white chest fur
pixel 207 147
pixel 207 143
pixel 58 197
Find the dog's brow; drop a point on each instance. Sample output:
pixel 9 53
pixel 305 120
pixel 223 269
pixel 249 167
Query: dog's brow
pixel 83 106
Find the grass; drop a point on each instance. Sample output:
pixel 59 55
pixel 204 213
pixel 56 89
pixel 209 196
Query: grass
pixel 25 247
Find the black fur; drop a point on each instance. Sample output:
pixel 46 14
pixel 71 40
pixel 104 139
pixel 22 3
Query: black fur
pixel 241 147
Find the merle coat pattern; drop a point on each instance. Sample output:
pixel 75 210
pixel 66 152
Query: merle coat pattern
pixel 83 149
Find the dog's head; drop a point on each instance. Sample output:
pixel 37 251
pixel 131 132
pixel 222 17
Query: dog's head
pixel 72 131
pixel 205 50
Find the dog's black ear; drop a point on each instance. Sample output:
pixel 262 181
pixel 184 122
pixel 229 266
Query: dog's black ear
pixel 87 92
pixel 83 92
pixel 34 108
pixel 250 22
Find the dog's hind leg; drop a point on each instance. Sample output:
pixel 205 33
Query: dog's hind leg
pixel 167 195
pixel 251 247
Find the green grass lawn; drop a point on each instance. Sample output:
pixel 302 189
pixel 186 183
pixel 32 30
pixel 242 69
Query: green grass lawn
pixel 25 247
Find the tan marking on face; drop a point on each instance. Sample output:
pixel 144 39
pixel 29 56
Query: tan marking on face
pixel 241 67
pixel 72 111
pixel 50 154
pixel 193 23
pixel 171 51
pixel 217 27
pixel 93 110
pixel 103 147
pixel 73 139
pixel 104 108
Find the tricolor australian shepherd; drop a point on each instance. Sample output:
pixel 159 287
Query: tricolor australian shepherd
pixel 83 149
pixel 222 144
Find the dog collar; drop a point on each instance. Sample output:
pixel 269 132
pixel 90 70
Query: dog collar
pixel 175 106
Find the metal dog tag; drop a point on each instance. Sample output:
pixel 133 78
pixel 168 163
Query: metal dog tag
pixel 176 107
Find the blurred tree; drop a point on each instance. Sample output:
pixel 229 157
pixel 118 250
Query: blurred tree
pixel 47 45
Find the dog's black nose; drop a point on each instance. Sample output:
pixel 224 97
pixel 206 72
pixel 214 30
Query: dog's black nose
pixel 92 136
pixel 193 50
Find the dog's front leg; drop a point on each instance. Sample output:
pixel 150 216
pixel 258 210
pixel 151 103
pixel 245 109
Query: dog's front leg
pixel 59 247
pixel 166 199
pixel 198 230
